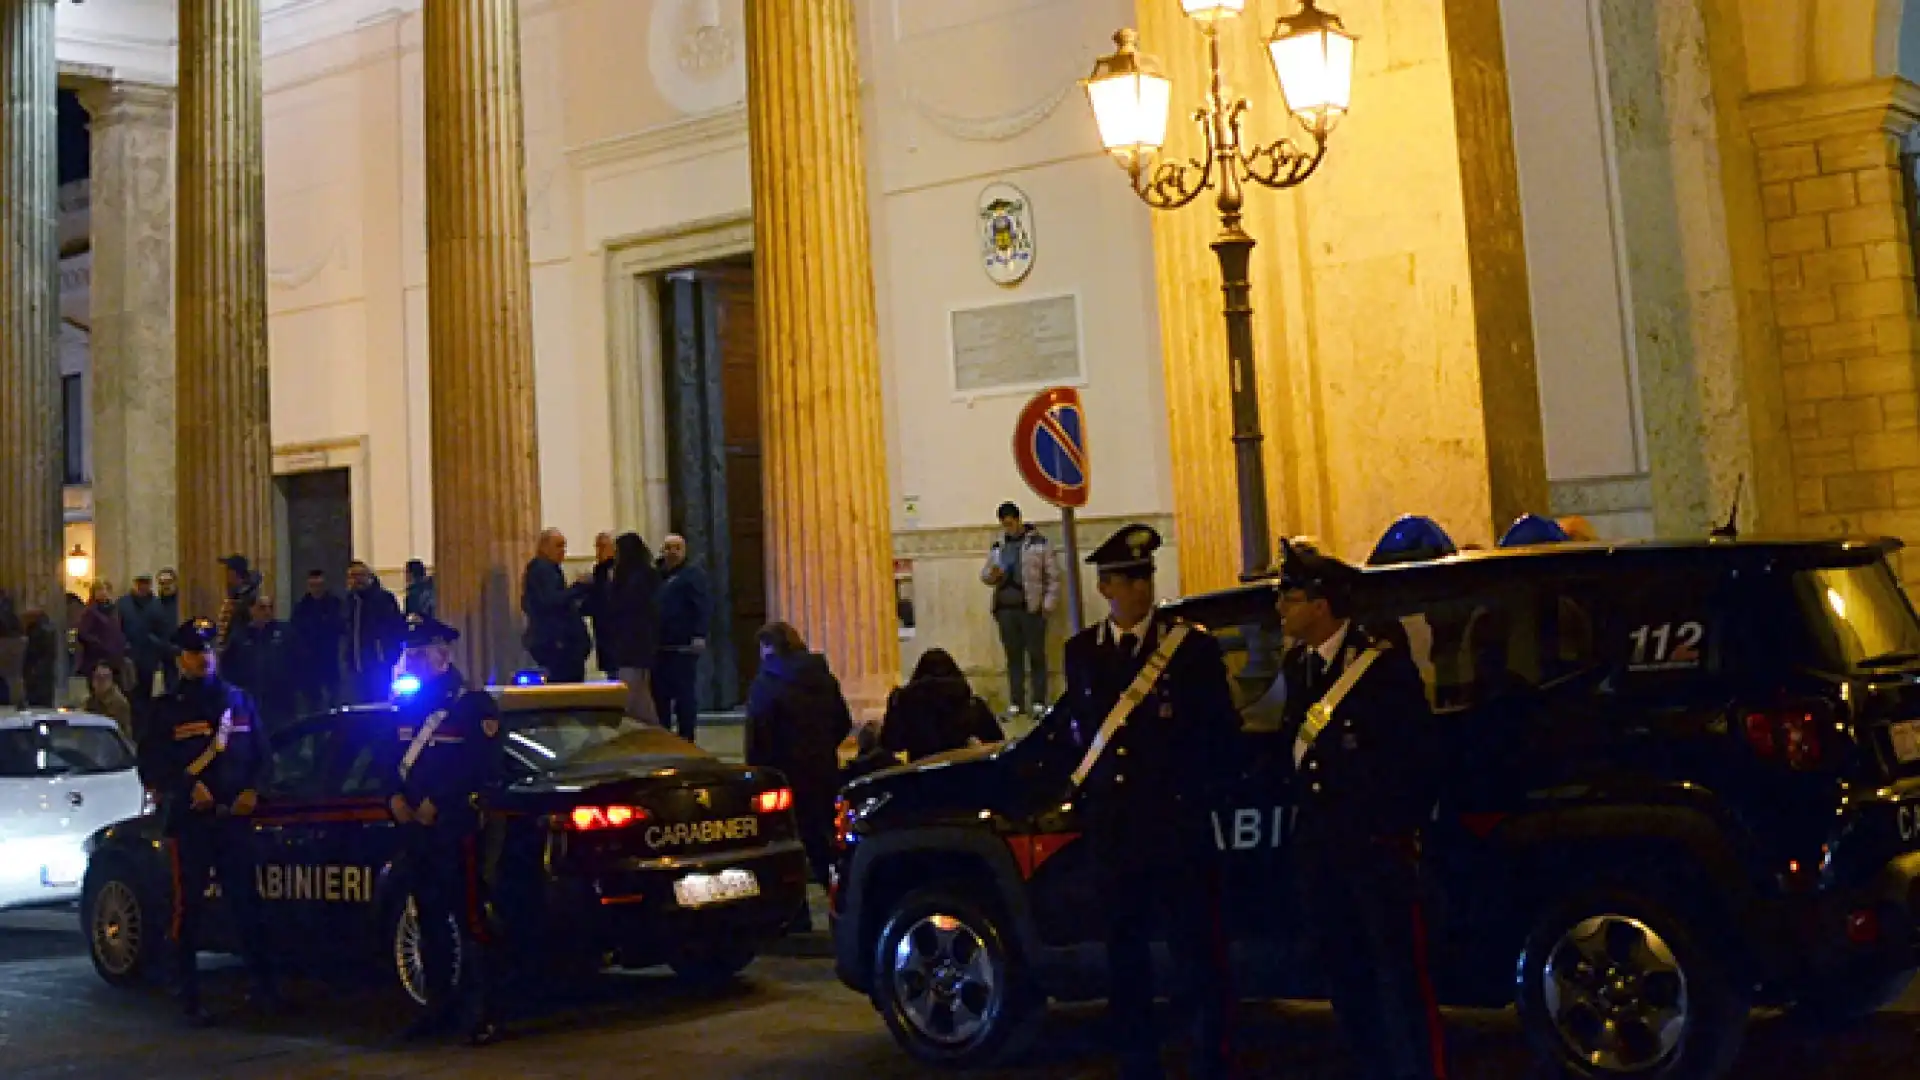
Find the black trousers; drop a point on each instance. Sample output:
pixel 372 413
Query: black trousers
pixel 1361 902
pixel 676 690
pixel 1180 905
pixel 563 663
pixel 202 846
pixel 456 947
pixel 1024 635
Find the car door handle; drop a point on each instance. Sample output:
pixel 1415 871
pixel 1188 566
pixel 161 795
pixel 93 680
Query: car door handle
pixel 76 800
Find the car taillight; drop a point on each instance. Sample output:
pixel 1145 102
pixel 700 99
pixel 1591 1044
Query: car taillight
pixel 1787 735
pixel 593 818
pixel 842 824
pixel 777 801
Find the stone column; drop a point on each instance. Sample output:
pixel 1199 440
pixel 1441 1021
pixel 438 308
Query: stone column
pixel 829 541
pixel 132 330
pixel 225 462
pixel 30 423
pixel 1844 301
pixel 486 493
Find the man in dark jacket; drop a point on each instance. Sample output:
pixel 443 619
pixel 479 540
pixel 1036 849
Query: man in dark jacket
pixel 595 604
pixel 319 622
pixel 684 609
pixel 145 625
pixel 420 599
pixel 1360 741
pixel 205 755
pixel 1150 715
pixel 796 720
pixel 264 657
pixel 242 586
pixel 373 629
pixel 556 633
pixel 167 587
pixel 40 666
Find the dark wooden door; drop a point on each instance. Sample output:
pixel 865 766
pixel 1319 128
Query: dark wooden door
pixel 319 525
pixel 716 501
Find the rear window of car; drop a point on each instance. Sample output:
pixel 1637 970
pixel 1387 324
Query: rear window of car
pixel 560 737
pixel 62 750
pixel 1855 617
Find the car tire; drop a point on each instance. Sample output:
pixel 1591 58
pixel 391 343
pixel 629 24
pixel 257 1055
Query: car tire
pixel 1837 1006
pixel 404 959
pixel 1614 983
pixel 125 920
pixel 711 964
pixel 950 981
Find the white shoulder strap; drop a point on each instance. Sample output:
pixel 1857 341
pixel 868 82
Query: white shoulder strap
pixel 1136 693
pixel 1321 713
pixel 420 740
pixel 214 749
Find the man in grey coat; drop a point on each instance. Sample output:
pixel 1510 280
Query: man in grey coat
pixel 1025 580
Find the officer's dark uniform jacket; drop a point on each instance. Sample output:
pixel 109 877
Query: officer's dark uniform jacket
pixel 460 762
pixel 184 724
pixel 1368 774
pixel 1145 801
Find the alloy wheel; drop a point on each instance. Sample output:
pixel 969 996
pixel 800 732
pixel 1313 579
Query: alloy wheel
pixel 946 980
pixel 1617 995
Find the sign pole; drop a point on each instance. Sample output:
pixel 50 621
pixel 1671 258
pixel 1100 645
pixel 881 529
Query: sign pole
pixel 1071 544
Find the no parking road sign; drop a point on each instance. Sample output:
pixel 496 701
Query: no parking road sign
pixel 1050 447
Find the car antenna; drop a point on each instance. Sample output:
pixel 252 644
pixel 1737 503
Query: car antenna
pixel 1731 530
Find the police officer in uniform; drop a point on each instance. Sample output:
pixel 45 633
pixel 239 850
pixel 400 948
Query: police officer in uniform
pixel 1360 732
pixel 1151 748
pixel 204 754
pixel 452 758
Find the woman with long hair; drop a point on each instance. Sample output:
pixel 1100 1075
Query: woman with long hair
pixel 936 711
pixel 630 623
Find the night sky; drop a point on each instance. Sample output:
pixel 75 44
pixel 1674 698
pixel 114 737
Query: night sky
pixel 73 138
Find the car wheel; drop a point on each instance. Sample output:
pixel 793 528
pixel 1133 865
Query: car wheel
pixel 409 962
pixel 1840 1005
pixel 950 981
pixel 711 964
pixel 126 924
pixel 1615 984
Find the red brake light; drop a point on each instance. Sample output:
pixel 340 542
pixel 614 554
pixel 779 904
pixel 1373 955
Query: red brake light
pixel 1788 735
pixel 777 801
pixel 592 818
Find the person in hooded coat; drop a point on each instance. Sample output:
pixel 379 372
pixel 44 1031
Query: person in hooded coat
pixel 796 720
pixel 936 711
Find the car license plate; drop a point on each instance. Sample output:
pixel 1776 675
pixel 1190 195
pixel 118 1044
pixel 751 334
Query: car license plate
pixel 699 890
pixel 1906 740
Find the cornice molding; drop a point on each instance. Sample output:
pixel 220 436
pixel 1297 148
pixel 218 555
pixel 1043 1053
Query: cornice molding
pixel 709 133
pixel 1782 116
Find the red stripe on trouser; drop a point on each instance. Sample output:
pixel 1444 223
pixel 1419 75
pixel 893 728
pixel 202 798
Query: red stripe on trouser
pixel 1436 1035
pixel 470 872
pixel 179 890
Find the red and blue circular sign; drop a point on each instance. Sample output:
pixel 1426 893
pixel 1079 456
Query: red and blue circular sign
pixel 1050 447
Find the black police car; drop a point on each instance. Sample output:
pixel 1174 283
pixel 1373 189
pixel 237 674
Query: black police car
pixel 1679 780
pixel 616 843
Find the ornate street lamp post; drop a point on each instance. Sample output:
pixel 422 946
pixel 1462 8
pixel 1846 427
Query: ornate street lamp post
pixel 1312 56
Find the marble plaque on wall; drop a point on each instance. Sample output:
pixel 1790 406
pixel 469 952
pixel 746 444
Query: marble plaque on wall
pixel 1017 346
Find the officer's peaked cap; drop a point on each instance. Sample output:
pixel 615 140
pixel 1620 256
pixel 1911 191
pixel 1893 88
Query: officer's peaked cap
pixel 1302 566
pixel 423 631
pixel 195 635
pixel 1131 548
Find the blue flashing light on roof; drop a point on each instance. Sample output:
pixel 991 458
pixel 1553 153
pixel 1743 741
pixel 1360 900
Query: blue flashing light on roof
pixel 1412 539
pixel 1534 529
pixel 406 685
pixel 529 678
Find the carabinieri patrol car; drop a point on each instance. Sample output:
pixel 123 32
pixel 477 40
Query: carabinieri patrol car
pixel 1675 780
pixel 613 843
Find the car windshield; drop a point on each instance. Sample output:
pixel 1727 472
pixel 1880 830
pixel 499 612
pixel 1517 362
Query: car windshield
pixel 569 737
pixel 61 750
pixel 1858 618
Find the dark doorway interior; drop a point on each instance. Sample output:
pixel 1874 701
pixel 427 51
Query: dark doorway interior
pixel 319 530
pixel 712 390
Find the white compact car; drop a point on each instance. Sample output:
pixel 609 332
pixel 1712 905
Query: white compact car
pixel 62 776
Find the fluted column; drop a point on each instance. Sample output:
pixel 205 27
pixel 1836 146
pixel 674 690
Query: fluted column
pixel 132 330
pixel 829 539
pixel 225 451
pixel 486 494
pixel 30 462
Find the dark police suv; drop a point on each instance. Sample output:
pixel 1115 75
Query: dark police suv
pixel 1679 780
pixel 615 842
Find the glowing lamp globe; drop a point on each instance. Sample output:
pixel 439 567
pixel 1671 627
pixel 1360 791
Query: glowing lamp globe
pixel 1130 99
pixel 1209 10
pixel 1312 56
